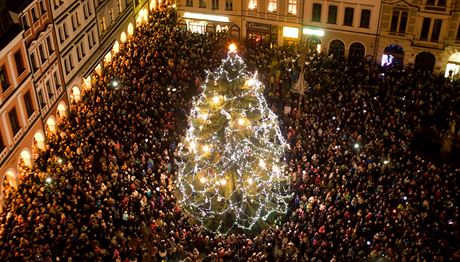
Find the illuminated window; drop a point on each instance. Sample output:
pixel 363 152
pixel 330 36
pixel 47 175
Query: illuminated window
pixel 272 5
pixel 252 4
pixel 292 7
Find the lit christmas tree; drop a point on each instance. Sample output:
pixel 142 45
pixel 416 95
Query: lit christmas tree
pixel 231 175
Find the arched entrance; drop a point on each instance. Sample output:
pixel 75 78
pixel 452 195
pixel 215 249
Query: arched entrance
pixel 130 29
pixel 11 179
pixel 337 48
pixel 76 93
pixel 453 66
pixel 123 37
pixel 393 55
pixel 25 158
pixel 356 51
pixel 62 109
pixel 116 47
pixel 51 125
pixel 425 61
pixel 313 43
pixel 39 140
pixel 235 32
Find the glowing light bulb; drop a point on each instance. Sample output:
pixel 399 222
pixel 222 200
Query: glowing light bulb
pixel 262 163
pixel 356 145
pixel 250 82
pixel 232 48
pixel 192 145
pixel 48 180
pixel 60 160
pixel 216 99
pixel 204 116
pixel 223 182
pixel 206 148
pixel 241 121
pixel 250 181
pixel 386 162
pixel 203 180
pixel 276 169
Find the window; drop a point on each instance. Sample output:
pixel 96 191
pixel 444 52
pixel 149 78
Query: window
pixel 66 66
pixel 228 4
pixel 15 126
pixel 203 3
pixel 425 28
pixel 61 35
pixel 85 11
pixel 436 30
pixel 74 22
pixel 120 6
pixel 50 45
pixel 272 5
pixel 48 89
pixel 57 82
pixel 5 83
pixel 102 24
pixel 316 13
pixel 2 144
pixel 432 3
pixel 42 54
pixel 110 16
pixel 365 18
pixel 292 7
pixel 33 61
pixel 189 3
pixel 79 53
pixel 399 21
pixel 34 15
pixel 348 18
pixel 40 99
pixel 252 4
pixel 25 22
pixel 82 47
pixel 64 26
pixel 458 32
pixel 71 62
pixel 29 105
pixel 332 15
pixel 215 4
pixel 42 6
pixel 19 62
pixel 76 18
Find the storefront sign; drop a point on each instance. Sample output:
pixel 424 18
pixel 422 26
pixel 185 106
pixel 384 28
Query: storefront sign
pixel 291 32
pixel 198 16
pixel 259 27
pixel 310 31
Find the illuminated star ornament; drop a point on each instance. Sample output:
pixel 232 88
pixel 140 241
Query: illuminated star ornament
pixel 231 162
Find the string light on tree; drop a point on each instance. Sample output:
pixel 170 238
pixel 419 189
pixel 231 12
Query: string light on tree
pixel 237 181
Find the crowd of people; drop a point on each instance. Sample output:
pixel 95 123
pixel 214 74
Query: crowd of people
pixel 104 188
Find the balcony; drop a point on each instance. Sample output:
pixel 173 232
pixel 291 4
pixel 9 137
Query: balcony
pixel 18 135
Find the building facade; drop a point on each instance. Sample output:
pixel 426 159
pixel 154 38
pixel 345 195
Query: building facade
pixel 20 120
pixel 49 51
